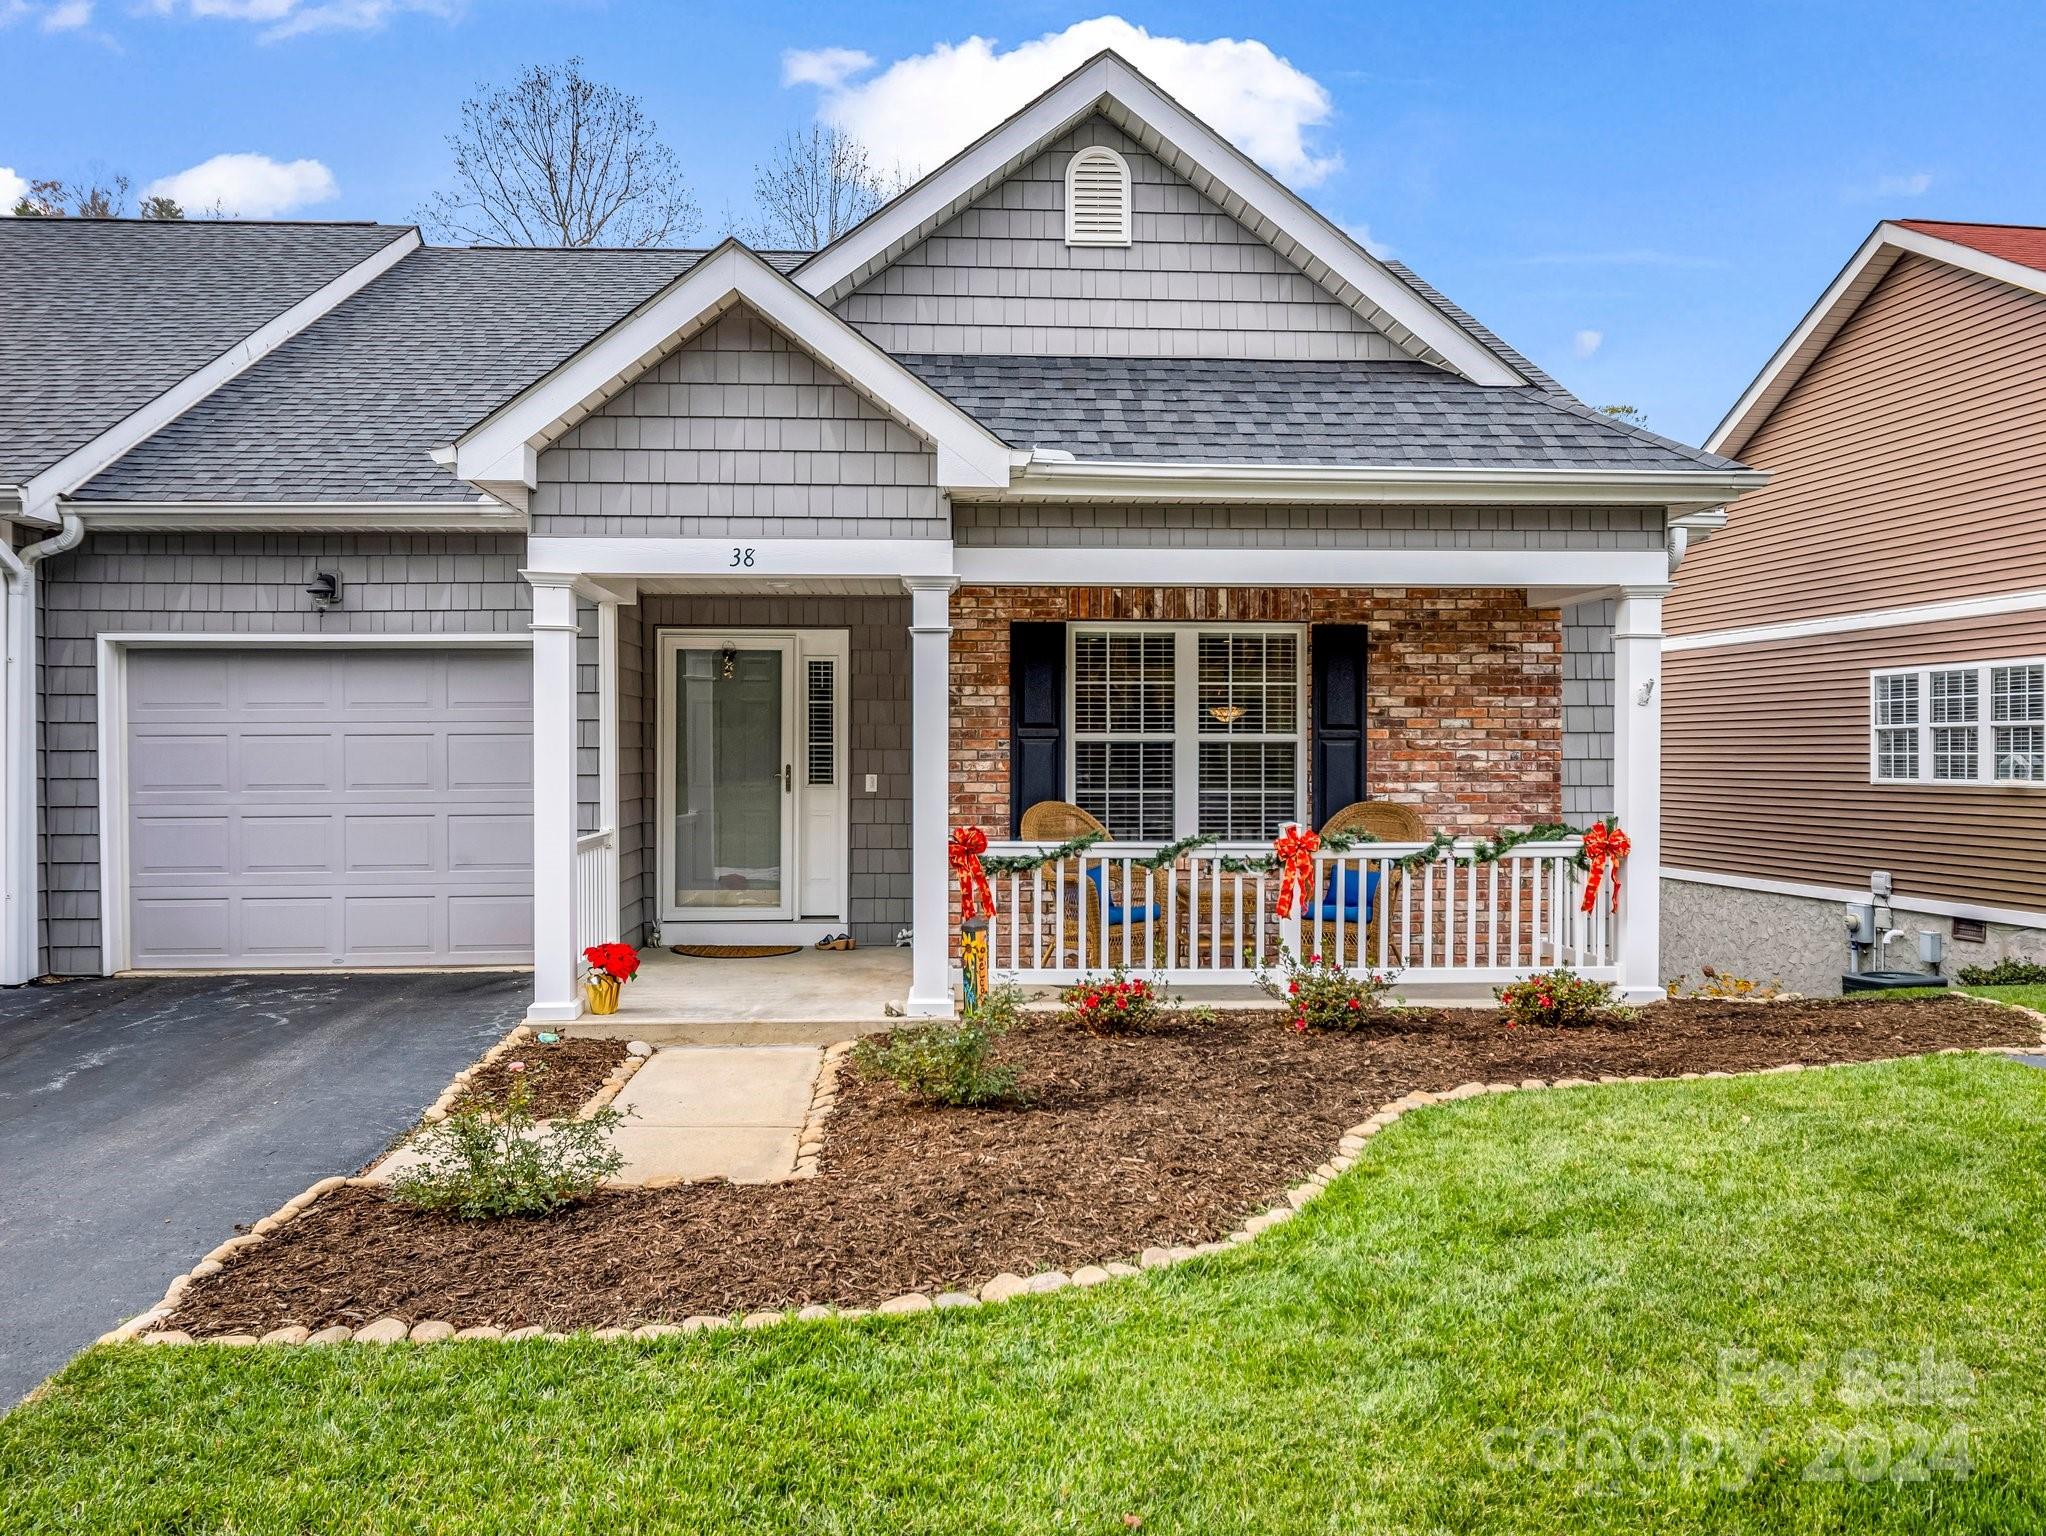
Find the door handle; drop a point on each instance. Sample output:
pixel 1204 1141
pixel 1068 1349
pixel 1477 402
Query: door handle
pixel 788 778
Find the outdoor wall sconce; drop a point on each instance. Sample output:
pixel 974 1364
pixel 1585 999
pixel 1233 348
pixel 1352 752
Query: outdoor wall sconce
pixel 728 661
pixel 324 589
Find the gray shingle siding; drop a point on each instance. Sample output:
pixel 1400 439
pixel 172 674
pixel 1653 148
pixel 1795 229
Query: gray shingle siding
pixel 1061 525
pixel 999 277
pixel 222 584
pixel 878 739
pixel 588 722
pixel 739 433
pixel 1588 712
pixel 635 776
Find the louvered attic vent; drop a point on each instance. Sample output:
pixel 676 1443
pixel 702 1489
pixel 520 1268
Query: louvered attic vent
pixel 1097 198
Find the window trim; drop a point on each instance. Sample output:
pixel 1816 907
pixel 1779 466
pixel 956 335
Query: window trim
pixel 1186 699
pixel 1984 725
pixel 1122 235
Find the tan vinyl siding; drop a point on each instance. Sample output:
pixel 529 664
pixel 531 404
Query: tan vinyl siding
pixel 1909 464
pixel 1766 770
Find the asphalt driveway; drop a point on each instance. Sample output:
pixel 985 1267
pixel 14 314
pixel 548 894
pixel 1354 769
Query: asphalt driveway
pixel 141 1119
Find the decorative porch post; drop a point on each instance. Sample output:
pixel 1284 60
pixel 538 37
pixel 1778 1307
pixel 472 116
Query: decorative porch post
pixel 556 996
pixel 930 789
pixel 1637 785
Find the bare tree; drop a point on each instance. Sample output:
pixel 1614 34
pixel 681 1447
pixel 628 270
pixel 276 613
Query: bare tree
pixel 103 195
pixel 44 199
pixel 560 159
pixel 815 187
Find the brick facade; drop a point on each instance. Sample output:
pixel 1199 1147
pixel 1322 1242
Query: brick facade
pixel 1466 689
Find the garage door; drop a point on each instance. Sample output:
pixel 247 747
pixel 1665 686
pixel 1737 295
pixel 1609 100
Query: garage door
pixel 318 806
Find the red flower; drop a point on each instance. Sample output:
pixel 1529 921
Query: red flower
pixel 1300 1023
pixel 618 961
pixel 1354 1004
pixel 1292 986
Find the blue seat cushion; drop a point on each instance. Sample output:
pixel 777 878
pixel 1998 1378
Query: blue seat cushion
pixel 1339 899
pixel 1098 875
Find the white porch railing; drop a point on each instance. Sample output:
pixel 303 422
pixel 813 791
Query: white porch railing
pixel 596 888
pixel 1451 919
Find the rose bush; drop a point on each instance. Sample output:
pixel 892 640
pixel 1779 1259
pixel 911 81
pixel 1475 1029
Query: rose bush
pixel 1560 996
pixel 1319 993
pixel 1117 1003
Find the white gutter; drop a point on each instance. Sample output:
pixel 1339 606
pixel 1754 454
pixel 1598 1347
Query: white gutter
pixel 18 785
pixel 1047 476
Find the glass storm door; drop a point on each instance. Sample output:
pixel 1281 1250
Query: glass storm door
pixel 726 787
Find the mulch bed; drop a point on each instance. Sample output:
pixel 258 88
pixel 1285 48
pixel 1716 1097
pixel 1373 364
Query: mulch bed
pixel 562 1075
pixel 1168 1138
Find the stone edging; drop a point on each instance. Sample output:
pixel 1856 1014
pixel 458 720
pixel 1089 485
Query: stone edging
pixel 823 1099
pixel 438 1109
pixel 1003 1287
pixel 637 1054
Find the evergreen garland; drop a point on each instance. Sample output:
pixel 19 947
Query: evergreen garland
pixel 1482 851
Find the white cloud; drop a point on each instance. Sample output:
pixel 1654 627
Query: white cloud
pixel 921 110
pixel 1584 343
pixel 248 186
pixel 1917 184
pixel 826 67
pixel 291 18
pixel 12 188
pixel 67 16
pixel 1360 232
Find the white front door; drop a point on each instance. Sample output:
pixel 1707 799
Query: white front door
pixel 751 777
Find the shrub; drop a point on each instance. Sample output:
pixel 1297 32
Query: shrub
pixel 1560 996
pixel 1117 1003
pixel 949 1064
pixel 2005 973
pixel 1320 994
pixel 484 1162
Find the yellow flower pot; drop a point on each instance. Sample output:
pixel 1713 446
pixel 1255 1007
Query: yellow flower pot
pixel 602 992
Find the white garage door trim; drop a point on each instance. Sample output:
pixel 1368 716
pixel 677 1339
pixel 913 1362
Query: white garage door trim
pixel 112 730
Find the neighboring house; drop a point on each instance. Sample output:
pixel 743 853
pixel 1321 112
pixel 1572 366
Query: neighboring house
pixel 1857 666
pixel 710 590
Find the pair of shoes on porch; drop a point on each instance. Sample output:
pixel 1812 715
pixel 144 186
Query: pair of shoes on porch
pixel 836 941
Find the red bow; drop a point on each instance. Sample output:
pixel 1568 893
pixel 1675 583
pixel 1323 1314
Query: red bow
pixel 964 851
pixel 1296 866
pixel 1605 845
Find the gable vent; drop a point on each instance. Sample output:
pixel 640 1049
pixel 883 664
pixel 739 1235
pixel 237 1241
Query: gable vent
pixel 1097 198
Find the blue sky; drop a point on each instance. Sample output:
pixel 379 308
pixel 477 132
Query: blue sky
pixel 1643 197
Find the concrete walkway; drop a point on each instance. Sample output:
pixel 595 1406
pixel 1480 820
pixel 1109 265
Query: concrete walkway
pixel 708 1112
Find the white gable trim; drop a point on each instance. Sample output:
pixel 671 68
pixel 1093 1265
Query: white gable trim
pixel 39 495
pixel 500 452
pixel 1215 167
pixel 1836 306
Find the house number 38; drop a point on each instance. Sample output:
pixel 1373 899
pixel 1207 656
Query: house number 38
pixel 742 556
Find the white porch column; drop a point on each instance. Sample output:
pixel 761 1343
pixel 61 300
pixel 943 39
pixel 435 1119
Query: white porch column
pixel 1637 785
pixel 930 788
pixel 557 996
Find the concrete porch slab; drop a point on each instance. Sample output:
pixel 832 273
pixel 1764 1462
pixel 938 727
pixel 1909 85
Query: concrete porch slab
pixel 813 997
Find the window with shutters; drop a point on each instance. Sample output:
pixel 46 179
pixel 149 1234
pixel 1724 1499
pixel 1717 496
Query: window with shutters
pixel 1976 723
pixel 1097 198
pixel 1183 729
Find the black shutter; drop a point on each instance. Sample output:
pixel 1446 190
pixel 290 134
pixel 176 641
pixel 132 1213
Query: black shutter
pixel 1037 718
pixel 1339 716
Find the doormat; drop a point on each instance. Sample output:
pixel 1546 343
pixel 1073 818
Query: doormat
pixel 734 951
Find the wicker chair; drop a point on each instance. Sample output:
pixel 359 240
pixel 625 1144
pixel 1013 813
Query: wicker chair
pixel 1059 821
pixel 1388 822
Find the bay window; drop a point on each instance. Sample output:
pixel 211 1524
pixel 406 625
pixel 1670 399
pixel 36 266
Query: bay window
pixel 1184 729
pixel 1966 723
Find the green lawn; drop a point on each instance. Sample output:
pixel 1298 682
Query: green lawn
pixel 1500 1286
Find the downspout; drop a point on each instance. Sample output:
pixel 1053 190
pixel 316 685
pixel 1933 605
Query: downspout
pixel 18 947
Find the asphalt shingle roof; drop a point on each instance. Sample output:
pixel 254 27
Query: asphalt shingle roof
pixel 1355 414
pixel 349 409
pixel 99 317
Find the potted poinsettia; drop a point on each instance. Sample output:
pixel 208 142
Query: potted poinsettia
pixel 611 967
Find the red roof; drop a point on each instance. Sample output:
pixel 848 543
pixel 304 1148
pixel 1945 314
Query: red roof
pixel 2024 244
